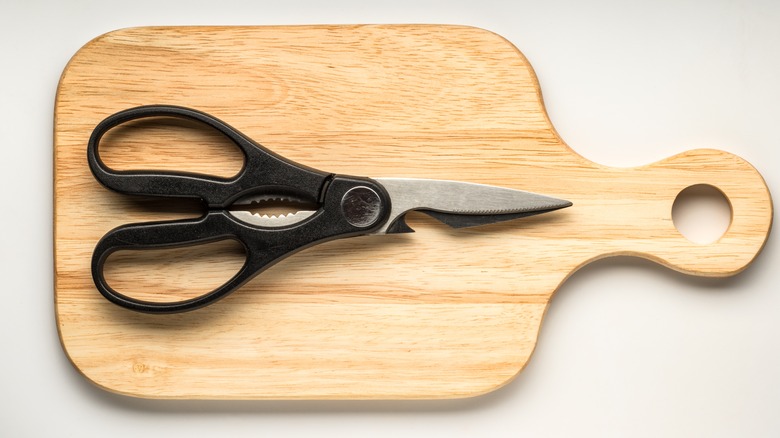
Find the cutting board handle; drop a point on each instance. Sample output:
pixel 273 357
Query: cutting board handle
pixel 642 210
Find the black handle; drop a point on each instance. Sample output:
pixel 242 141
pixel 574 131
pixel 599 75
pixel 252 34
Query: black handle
pixel 214 226
pixel 264 246
pixel 263 170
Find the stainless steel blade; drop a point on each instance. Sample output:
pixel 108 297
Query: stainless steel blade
pixel 462 198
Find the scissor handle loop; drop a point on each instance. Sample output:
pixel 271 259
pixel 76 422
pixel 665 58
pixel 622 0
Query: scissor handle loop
pixel 212 227
pixel 262 169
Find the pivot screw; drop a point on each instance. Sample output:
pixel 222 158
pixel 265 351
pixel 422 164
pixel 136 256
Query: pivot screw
pixel 361 206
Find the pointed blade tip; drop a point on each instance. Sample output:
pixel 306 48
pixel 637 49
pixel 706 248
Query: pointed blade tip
pixel 562 203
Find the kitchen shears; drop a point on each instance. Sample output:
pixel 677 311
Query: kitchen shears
pixel 345 206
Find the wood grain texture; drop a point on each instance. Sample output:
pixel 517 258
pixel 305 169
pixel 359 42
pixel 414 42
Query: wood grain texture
pixel 436 314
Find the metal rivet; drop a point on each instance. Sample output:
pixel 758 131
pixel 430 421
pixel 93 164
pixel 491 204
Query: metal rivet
pixel 361 206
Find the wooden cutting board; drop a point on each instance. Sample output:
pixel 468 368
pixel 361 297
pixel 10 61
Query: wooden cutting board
pixel 436 314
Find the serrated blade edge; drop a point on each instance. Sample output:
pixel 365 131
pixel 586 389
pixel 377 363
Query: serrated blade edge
pixel 462 198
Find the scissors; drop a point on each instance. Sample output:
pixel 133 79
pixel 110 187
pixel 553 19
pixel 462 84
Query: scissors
pixel 344 206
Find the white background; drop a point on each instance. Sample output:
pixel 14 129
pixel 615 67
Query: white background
pixel 627 348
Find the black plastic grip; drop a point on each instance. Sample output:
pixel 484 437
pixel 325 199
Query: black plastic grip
pixel 263 170
pixel 212 227
pixel 264 246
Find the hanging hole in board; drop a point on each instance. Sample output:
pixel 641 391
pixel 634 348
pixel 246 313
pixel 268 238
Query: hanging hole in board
pixel 170 144
pixel 701 213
